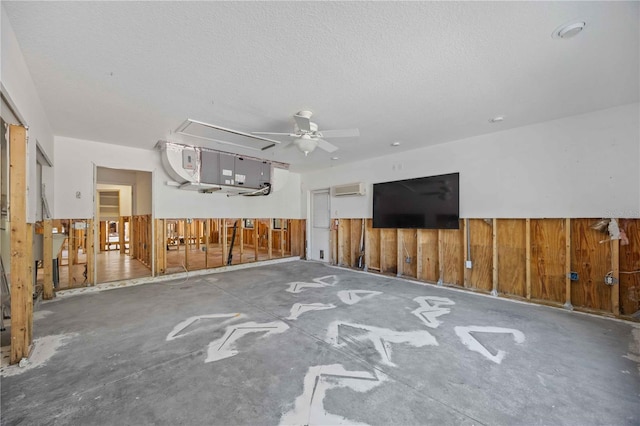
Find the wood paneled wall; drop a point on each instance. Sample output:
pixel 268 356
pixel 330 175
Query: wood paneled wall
pixel 522 258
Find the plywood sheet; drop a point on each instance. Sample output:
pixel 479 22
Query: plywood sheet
pixel 453 256
pixel 344 242
pixel 481 243
pixel 388 251
pixel 512 256
pixel 629 262
pixel 548 259
pixel 591 260
pixel 356 232
pixel 407 250
pixel 372 246
pixel 427 246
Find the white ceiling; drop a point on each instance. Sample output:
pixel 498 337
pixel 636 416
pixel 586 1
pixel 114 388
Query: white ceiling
pixel 421 73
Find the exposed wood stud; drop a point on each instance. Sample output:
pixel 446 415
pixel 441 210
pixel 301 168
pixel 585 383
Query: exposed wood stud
pixel 440 257
pixel 19 250
pixel 207 237
pixel 47 262
pixel 71 251
pixel 89 250
pixel 494 291
pixel 567 264
pixel 528 258
pixel 419 253
pixel 241 240
pixel 615 268
pixel 282 222
pixel 29 281
pixel 465 240
pixel 255 239
pixel 121 235
pixel 270 238
pixel 399 252
pixel 225 242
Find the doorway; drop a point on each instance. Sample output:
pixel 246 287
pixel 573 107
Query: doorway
pixel 123 225
pixel 320 226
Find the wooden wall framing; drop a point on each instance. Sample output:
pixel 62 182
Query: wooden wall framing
pixel 519 258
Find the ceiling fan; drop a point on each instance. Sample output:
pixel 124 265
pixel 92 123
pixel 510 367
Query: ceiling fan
pixel 307 137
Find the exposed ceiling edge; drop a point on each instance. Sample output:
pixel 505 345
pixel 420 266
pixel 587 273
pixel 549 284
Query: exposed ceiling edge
pixel 238 135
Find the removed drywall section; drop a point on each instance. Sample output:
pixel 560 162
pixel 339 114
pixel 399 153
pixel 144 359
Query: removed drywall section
pixel 581 166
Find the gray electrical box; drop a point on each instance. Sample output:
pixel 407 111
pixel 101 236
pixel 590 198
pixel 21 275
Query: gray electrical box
pixel 210 168
pixel 189 159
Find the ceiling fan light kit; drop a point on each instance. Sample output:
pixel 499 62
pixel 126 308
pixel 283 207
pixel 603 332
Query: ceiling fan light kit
pixel 307 137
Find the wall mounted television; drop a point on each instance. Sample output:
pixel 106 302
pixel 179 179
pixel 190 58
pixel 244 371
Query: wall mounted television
pixel 431 202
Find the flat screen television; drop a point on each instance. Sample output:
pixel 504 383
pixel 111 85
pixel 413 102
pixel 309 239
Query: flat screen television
pixel 431 202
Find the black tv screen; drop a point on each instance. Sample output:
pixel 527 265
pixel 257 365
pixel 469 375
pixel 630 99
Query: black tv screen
pixel 429 203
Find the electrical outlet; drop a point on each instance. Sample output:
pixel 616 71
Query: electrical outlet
pixel 468 264
pixel 407 259
pixel 609 280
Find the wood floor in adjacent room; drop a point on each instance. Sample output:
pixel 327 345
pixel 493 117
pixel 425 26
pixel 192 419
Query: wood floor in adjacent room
pixel 305 343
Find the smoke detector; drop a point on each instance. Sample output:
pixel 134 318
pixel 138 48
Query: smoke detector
pixel 569 30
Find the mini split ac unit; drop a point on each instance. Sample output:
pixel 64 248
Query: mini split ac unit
pixel 348 189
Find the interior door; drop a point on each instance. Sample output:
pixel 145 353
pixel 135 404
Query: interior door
pixel 320 225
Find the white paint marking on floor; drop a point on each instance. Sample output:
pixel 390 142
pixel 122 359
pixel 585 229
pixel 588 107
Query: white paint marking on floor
pixel 175 333
pixel 464 333
pixel 634 347
pixel 351 297
pixel 431 308
pixel 300 308
pixel 309 408
pixel 224 347
pixel 43 349
pixel 326 281
pixel 38 315
pixel 380 337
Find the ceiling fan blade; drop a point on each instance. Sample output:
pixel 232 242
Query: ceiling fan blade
pixel 322 144
pixel 272 133
pixel 289 145
pixel 342 133
pixel 304 123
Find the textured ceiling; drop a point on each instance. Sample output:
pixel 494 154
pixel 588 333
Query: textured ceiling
pixel 421 73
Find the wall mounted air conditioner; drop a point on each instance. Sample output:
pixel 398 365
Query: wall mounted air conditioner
pixel 348 189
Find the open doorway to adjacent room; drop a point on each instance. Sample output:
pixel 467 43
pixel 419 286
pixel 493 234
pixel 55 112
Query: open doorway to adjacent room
pixel 123 224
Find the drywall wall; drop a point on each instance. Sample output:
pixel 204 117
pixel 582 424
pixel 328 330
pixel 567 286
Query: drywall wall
pixel 80 157
pixel 580 166
pixel 143 193
pixel 18 87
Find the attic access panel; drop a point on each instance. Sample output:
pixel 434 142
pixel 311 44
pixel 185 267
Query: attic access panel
pixel 212 132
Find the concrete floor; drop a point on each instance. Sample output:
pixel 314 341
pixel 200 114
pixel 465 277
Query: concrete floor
pixel 292 343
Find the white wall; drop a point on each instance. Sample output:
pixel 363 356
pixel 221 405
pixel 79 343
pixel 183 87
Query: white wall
pixel 74 172
pixel 144 192
pixel 18 86
pixel 581 166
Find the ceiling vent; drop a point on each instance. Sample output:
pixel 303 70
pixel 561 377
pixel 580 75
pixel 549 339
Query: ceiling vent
pixel 348 189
